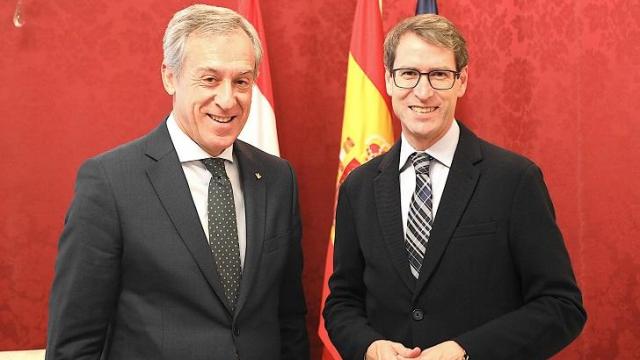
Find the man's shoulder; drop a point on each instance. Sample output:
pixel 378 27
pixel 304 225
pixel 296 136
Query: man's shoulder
pixel 373 166
pixel 494 155
pixel 258 154
pixel 498 156
pixel 131 148
pixel 368 171
pixel 132 154
pixel 260 158
pixel 252 159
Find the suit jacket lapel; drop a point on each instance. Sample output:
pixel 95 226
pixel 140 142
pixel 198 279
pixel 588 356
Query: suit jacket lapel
pixel 461 183
pixel 253 187
pixel 387 199
pixel 170 184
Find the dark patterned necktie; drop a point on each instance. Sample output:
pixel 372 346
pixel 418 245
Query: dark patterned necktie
pixel 223 230
pixel 420 216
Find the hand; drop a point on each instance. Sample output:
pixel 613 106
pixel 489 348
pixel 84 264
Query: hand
pixel 448 350
pixel 384 349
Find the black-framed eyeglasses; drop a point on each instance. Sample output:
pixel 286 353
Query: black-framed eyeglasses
pixel 406 78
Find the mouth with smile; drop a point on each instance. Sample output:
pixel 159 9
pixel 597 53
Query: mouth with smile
pixel 221 119
pixel 423 109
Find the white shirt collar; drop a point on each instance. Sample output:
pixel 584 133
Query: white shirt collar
pixel 189 150
pixel 443 150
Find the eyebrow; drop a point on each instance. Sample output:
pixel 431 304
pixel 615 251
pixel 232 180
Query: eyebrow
pixel 214 70
pixel 434 68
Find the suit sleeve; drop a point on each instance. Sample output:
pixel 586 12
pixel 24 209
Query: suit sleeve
pixel 345 312
pixel 87 272
pixel 292 307
pixel 552 314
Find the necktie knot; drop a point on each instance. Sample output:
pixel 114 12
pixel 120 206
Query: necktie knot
pixel 215 166
pixel 420 161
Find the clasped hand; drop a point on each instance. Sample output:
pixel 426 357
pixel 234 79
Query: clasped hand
pixel 389 350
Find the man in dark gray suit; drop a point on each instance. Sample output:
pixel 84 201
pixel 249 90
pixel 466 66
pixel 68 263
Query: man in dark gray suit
pixel 185 244
pixel 446 247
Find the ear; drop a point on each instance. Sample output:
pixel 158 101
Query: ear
pixel 168 79
pixel 464 79
pixel 388 81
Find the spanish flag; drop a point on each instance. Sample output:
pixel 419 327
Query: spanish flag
pixel 366 128
pixel 260 129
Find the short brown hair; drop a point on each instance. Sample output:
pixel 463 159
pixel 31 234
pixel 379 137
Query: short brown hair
pixel 435 30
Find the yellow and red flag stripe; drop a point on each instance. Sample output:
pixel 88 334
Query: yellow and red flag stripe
pixel 260 129
pixel 366 128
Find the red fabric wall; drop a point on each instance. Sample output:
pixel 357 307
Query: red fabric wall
pixel 555 80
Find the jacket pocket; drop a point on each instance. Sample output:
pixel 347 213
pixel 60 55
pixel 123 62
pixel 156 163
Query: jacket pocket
pixel 476 230
pixel 276 242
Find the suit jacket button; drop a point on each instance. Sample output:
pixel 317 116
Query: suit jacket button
pixel 417 314
pixel 236 331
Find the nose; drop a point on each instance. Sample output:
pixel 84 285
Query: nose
pixel 224 96
pixel 423 90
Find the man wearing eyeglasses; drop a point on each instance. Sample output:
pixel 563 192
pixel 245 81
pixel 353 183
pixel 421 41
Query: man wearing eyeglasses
pixel 446 247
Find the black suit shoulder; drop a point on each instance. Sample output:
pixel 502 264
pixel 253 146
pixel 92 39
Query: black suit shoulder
pixel 499 167
pixel 496 156
pixel 366 172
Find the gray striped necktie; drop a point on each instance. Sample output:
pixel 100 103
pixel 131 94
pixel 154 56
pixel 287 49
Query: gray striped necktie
pixel 223 229
pixel 420 216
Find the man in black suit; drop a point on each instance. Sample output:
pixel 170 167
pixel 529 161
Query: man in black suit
pixel 185 244
pixel 446 247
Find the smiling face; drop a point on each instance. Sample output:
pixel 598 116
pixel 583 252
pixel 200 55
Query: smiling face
pixel 212 93
pixel 425 114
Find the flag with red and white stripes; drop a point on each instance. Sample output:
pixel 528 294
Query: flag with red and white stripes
pixel 260 129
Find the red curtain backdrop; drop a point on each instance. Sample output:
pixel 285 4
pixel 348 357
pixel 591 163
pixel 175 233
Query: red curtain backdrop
pixel 556 80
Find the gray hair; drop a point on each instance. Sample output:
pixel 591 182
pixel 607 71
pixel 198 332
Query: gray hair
pixel 435 30
pixel 204 20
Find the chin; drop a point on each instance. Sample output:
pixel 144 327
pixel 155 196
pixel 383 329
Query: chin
pixel 219 144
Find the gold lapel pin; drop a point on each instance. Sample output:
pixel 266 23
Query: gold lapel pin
pixel 258 176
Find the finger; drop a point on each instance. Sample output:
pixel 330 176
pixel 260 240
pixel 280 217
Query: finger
pixel 399 357
pixel 385 351
pixel 405 352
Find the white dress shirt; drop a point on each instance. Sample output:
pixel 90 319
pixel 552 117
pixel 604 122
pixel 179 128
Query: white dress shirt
pixel 442 152
pixel 190 154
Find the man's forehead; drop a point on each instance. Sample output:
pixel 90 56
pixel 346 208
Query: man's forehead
pixel 412 39
pixel 416 49
pixel 205 37
pixel 220 52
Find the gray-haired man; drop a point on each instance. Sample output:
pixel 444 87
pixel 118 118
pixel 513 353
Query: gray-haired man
pixel 185 244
